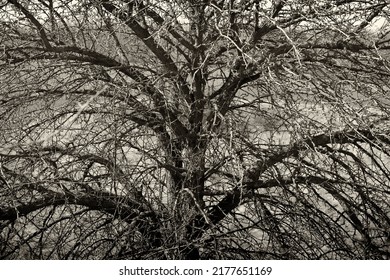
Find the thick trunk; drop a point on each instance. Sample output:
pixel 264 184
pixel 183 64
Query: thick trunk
pixel 188 203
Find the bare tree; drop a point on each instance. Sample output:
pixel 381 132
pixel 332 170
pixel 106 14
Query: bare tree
pixel 194 129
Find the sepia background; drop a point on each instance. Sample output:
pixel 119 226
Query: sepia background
pixel 228 129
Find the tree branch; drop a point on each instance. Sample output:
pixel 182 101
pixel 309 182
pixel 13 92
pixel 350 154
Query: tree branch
pixel 37 24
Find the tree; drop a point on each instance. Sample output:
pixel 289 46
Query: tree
pixel 194 129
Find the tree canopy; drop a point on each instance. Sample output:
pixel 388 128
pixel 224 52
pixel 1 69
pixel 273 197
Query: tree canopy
pixel 231 129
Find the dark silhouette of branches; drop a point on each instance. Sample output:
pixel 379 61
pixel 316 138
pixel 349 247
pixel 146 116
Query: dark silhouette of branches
pixel 194 130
